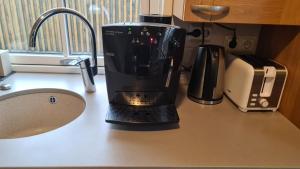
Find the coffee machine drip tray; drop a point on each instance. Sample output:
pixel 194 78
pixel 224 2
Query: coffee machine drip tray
pixel 141 115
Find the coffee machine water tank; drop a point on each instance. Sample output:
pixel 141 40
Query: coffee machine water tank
pixel 142 71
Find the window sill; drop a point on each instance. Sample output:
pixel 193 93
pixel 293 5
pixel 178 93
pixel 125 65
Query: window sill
pixel 44 59
pixel 47 63
pixel 50 69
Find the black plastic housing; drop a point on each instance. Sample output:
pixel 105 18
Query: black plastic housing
pixel 142 69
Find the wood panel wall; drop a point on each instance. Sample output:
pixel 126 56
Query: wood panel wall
pixel 282 43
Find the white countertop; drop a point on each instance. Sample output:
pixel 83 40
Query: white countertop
pixel 208 136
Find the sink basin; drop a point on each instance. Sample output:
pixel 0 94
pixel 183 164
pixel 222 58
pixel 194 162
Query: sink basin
pixel 36 111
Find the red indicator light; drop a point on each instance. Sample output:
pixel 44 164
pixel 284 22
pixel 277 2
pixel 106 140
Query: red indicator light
pixel 151 40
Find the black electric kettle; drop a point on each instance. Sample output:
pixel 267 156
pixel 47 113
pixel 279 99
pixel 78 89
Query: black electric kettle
pixel 206 83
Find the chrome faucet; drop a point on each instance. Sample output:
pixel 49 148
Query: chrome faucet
pixel 88 69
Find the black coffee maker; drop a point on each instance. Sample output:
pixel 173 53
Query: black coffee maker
pixel 142 72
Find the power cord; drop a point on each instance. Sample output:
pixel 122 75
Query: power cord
pixel 233 42
pixel 195 33
pixel 203 29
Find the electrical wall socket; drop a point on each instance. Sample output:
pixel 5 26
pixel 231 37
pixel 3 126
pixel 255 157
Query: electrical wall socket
pixel 196 41
pixel 245 45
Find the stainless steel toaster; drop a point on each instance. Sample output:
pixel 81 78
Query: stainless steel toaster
pixel 254 84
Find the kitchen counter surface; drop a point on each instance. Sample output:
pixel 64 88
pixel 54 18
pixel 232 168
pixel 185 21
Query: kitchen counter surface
pixel 207 136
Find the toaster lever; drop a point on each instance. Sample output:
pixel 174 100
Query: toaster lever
pixel 268 82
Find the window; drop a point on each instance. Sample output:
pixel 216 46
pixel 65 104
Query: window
pixel 98 12
pixel 18 16
pixel 63 35
pixel 16 19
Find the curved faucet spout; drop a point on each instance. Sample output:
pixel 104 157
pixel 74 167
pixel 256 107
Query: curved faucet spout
pixel 48 14
pixel 52 12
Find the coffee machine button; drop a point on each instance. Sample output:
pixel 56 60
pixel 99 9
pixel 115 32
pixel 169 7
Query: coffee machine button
pixel 134 58
pixel 145 29
pixel 174 44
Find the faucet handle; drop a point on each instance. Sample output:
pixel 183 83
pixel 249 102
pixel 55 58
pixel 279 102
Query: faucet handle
pixel 74 62
pixel 86 71
pixel 87 75
pixel 84 63
pixel 69 62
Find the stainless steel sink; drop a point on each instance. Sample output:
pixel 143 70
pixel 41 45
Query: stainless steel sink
pixel 36 111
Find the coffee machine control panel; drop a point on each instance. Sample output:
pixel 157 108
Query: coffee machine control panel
pixel 144 37
pixel 142 50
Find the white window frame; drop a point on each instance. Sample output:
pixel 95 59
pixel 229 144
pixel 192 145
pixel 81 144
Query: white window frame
pixel 50 63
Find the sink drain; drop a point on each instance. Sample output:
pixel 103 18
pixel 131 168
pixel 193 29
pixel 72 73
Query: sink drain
pixel 52 100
